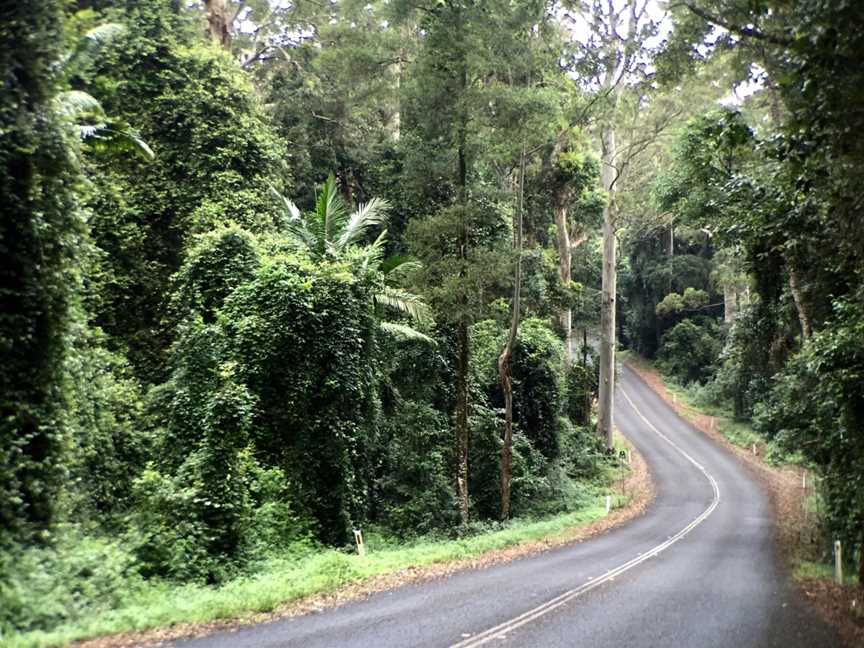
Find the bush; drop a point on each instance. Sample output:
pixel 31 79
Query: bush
pixel 690 350
pixel 582 384
pixel 414 485
pixel 538 378
pixel 71 580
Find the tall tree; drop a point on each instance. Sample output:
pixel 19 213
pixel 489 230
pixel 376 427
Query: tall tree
pixel 41 230
pixel 614 53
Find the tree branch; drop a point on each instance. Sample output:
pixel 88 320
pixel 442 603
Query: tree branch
pixel 740 30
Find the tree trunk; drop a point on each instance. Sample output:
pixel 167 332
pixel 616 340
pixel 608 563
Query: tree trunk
pixel 462 361
pixel 505 376
pixel 861 559
pixel 800 303
pixel 565 317
pixel 219 23
pixel 730 303
pixel 609 281
pixel 462 337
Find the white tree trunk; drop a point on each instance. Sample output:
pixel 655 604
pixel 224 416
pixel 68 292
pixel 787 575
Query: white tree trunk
pixel 730 303
pixel 609 287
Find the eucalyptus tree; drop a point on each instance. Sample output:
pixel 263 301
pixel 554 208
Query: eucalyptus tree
pixel 476 98
pixel 613 56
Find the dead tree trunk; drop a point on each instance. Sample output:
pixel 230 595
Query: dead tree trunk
pixel 609 287
pixel 505 360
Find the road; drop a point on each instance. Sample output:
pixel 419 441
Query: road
pixel 698 569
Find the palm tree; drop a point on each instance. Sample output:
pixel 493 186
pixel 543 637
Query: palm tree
pixel 330 232
pixel 83 111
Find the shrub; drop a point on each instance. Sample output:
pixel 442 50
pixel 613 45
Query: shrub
pixel 582 384
pixel 414 483
pixel 71 580
pixel 690 350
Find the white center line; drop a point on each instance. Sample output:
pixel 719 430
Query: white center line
pixel 500 630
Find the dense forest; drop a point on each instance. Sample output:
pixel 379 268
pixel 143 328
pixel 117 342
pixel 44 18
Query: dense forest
pixel 276 271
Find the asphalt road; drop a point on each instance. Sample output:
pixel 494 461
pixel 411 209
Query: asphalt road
pixel 698 569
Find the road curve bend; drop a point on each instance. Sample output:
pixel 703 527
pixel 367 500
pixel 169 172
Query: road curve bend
pixel 699 569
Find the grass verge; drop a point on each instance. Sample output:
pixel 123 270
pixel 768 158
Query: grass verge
pixel 298 580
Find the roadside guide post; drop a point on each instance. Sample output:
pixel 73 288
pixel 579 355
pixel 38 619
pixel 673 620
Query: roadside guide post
pixel 358 538
pixel 838 562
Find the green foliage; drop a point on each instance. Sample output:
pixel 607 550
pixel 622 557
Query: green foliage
pixel 414 488
pixel 582 387
pixel 664 284
pixel 690 350
pixel 41 230
pixel 69 582
pixel 216 157
pixel 538 380
pixel 313 421
pixel 108 432
pixel 815 406
pixel 673 303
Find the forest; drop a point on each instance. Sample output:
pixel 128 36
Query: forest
pixel 275 271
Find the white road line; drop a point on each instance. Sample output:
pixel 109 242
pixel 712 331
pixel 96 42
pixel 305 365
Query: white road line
pixel 527 617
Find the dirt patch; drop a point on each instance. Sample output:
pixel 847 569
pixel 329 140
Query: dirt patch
pixel 637 485
pixel 796 528
pixel 841 606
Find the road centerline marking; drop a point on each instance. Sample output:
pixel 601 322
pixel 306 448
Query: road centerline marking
pixel 499 631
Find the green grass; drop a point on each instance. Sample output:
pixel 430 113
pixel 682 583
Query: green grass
pixel 810 569
pixel 281 581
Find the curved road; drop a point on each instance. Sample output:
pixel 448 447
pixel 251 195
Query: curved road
pixel 698 569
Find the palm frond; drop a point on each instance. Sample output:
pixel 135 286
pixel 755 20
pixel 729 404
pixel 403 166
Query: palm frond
pixel 81 57
pixel 373 213
pixel 403 302
pixel 301 235
pixel 106 138
pixel 76 105
pixel 372 255
pixel 289 206
pixel 406 333
pixel 330 212
pixel 398 264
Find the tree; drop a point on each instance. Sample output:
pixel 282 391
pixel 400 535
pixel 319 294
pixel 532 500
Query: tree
pixel 41 230
pixel 802 220
pixel 613 55
pixel 217 156
pixel 572 173
pixel 329 232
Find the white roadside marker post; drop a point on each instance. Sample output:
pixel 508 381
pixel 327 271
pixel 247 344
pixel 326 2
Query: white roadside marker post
pixel 358 538
pixel 804 480
pixel 838 562
pixel 608 503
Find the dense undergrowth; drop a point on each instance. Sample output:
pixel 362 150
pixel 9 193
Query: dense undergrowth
pixel 85 587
